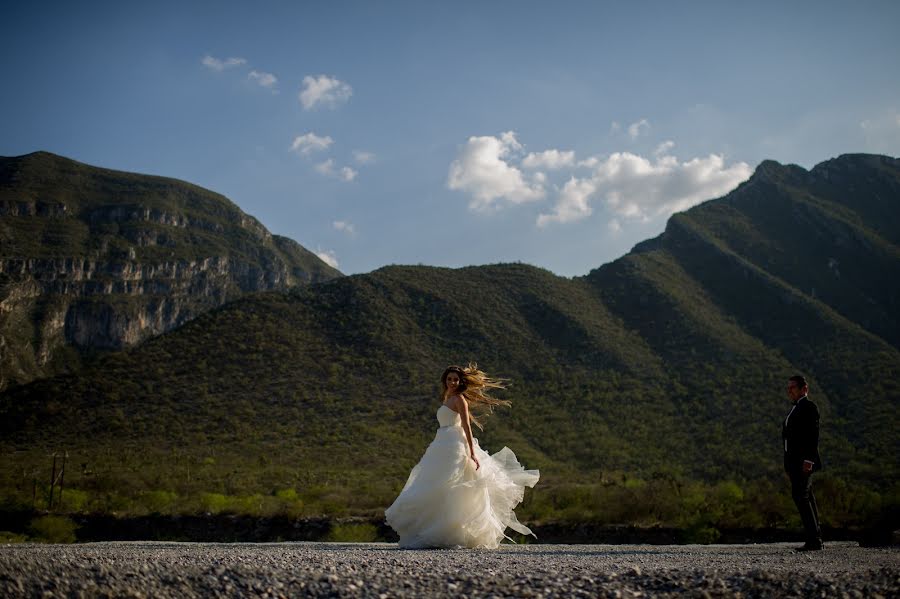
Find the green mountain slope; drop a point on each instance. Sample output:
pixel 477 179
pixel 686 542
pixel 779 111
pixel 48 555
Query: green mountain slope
pixel 650 390
pixel 98 259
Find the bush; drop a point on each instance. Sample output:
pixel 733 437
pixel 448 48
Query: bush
pixel 701 535
pixel 53 529
pixel 74 500
pixel 213 502
pixel 158 501
pixel 352 533
pixel 7 537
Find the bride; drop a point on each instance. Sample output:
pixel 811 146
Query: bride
pixel 458 495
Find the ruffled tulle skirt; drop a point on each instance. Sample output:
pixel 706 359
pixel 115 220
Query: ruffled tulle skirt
pixel 446 502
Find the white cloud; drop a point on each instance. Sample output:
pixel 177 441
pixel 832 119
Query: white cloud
pixel 615 127
pixel 344 226
pixel 326 167
pixel 631 186
pixel 325 91
pixel 220 65
pixel 551 159
pixel 508 138
pixel 572 203
pixel 635 187
pixel 310 142
pixel 663 148
pixel 639 128
pixel 266 80
pixel 363 157
pixel 328 257
pixel 481 170
pixel 329 169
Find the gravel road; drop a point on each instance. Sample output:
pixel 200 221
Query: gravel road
pixel 145 569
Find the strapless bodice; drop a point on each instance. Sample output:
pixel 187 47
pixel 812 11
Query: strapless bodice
pixel 447 417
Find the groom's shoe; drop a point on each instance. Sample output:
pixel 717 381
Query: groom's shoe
pixel 818 546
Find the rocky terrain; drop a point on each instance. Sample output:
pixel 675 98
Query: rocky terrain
pixel 93 258
pixel 383 570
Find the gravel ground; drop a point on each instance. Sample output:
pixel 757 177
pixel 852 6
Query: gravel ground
pixel 382 570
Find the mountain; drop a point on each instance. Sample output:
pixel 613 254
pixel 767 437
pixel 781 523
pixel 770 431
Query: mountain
pixel 651 389
pixel 93 258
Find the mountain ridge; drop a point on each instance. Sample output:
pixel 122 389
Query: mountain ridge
pixel 665 367
pixel 95 258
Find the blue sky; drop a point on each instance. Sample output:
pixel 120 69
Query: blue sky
pixel 456 133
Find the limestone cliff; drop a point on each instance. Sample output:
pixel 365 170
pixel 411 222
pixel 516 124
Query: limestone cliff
pixel 95 259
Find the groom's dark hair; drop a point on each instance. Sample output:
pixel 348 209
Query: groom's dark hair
pixel 800 380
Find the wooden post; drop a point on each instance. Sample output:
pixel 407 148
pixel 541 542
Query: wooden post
pixel 33 490
pixel 52 483
pixel 62 476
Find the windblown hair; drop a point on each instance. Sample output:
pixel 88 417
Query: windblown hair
pixel 474 385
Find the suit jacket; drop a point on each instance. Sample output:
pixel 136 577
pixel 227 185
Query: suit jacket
pixel 800 434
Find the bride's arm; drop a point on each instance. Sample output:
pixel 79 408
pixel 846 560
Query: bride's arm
pixel 467 428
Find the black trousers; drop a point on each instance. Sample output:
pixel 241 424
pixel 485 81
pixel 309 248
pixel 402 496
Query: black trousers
pixel 801 491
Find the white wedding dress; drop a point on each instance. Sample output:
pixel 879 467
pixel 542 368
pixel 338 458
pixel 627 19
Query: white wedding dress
pixel 446 502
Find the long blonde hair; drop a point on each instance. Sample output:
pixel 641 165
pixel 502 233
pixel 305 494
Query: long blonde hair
pixel 474 385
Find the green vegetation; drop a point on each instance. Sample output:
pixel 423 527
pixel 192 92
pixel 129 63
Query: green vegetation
pixel 353 533
pixel 649 392
pixel 96 259
pixel 53 529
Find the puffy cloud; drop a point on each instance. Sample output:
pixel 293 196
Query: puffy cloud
pixel 572 203
pixel 630 186
pixel 310 142
pixel 664 147
pixel 220 65
pixel 344 226
pixel 481 169
pixel 329 169
pixel 551 159
pixel 266 80
pixel 635 187
pixel 639 128
pixel 326 167
pixel 363 157
pixel 328 257
pixel 324 91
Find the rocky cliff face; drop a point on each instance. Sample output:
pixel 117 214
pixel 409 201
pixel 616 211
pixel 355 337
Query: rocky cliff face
pixel 92 259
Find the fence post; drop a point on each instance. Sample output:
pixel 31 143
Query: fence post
pixel 62 476
pixel 52 484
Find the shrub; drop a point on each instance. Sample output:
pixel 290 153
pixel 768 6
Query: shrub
pixel 286 494
pixel 53 529
pixel 158 501
pixel 74 500
pixel 213 502
pixel 7 537
pixel 352 533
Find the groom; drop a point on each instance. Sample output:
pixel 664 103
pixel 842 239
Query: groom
pixel 801 457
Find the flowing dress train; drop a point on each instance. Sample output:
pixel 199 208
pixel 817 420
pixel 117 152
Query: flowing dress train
pixel 446 502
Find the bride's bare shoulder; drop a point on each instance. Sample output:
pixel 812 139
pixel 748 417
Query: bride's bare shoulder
pixel 456 402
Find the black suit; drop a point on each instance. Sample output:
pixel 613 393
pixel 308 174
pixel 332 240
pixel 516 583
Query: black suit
pixel 800 433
